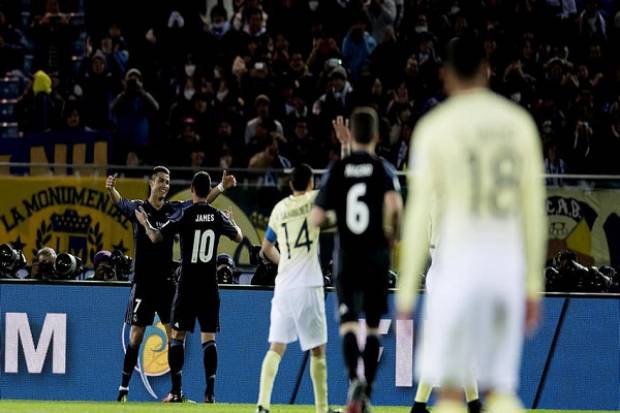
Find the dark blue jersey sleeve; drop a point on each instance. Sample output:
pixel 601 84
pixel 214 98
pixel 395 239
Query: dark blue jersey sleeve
pixel 173 226
pixel 325 199
pixel 228 228
pixel 128 207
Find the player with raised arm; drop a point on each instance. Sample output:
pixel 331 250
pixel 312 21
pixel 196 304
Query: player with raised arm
pixel 152 284
pixel 200 227
pixel 480 155
pixel 364 192
pixel 298 305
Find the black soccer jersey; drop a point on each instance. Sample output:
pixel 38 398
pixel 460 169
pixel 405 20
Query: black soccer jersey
pixel 200 227
pixel 152 262
pixel 355 187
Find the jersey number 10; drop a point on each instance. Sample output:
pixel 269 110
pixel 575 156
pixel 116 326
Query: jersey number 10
pixel 202 250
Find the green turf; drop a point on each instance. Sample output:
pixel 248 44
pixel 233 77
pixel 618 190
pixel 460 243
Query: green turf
pixel 81 407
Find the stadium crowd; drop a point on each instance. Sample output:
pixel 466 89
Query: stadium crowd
pixel 256 83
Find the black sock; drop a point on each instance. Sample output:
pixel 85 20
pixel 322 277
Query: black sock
pixel 371 360
pixel 418 407
pixel 351 353
pixel 176 358
pixel 209 359
pixel 129 363
pixel 474 406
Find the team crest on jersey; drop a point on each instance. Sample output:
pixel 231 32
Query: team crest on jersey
pixel 153 355
pixel 571 222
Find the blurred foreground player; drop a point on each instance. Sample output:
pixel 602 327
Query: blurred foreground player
pixel 480 155
pixel 152 284
pixel 364 192
pixel 298 305
pixel 196 296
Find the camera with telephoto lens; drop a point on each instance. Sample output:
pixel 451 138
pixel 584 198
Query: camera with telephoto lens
pixel 11 260
pixel 122 264
pixel 568 275
pixel 225 269
pixel 68 266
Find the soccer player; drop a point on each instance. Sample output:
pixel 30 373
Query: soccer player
pixel 364 192
pixel 196 296
pixel 298 305
pixel 153 285
pixel 480 154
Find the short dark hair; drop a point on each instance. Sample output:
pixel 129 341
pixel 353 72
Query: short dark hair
pixel 159 169
pixel 364 124
pixel 464 55
pixel 301 176
pixel 201 183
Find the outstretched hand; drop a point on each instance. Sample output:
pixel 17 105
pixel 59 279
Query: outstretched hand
pixel 341 127
pixel 110 182
pixel 228 181
pixel 141 216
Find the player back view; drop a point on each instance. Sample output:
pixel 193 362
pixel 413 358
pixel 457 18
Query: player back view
pixel 480 154
pixel 364 192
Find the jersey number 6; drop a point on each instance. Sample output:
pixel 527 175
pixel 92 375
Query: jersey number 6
pixel 358 214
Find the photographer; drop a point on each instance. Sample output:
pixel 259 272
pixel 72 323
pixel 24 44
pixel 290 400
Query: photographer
pixel 132 110
pixel 43 264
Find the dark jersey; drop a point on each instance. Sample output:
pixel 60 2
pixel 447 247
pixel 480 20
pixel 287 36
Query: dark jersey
pixel 152 262
pixel 355 187
pixel 200 227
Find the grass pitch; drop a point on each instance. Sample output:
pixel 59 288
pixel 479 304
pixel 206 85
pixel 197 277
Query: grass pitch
pixel 111 407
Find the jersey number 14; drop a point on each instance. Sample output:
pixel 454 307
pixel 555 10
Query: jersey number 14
pixel 299 242
pixel 202 250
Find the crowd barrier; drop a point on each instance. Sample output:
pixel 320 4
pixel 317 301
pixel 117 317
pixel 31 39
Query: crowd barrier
pixel 66 342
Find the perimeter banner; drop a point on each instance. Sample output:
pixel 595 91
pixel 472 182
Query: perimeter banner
pixel 69 214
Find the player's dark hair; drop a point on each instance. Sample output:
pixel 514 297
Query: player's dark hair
pixel 364 124
pixel 464 55
pixel 201 184
pixel 159 169
pixel 301 176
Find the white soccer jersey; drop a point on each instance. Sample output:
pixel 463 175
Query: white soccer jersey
pixel 479 156
pixel 298 241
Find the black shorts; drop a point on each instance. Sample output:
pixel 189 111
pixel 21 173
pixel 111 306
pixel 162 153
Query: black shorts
pixel 196 302
pixel 362 286
pixel 146 299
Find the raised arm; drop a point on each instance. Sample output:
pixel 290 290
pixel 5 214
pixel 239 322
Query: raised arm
pixel 153 234
pixel 110 185
pixel 228 181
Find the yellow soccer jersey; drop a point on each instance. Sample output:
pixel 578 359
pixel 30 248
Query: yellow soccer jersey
pixel 477 170
pixel 298 241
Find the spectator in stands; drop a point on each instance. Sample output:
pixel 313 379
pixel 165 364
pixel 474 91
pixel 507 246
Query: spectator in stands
pixel 40 109
pixel 262 105
pixel 554 165
pixel 116 57
pixel 132 110
pixel 227 139
pixel 591 22
pixel 269 156
pixel 52 35
pixel 185 143
pixel 305 148
pixel 98 89
pixel 357 46
pixel 381 15
pixel 72 121
pixel 11 46
pixel 336 101
pixel 251 18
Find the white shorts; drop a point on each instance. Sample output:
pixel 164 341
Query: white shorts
pixel 473 320
pixel 299 313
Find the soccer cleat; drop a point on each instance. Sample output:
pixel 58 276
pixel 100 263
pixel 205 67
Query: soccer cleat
pixel 474 406
pixel 419 408
pixel 122 396
pixel 356 399
pixel 209 398
pixel 330 410
pixel 261 409
pixel 173 397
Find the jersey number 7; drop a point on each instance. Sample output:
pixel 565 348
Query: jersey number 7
pixel 298 242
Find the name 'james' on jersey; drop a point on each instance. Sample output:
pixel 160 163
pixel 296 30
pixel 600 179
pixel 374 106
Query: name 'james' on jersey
pixel 199 227
pixel 298 241
pixel 355 188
